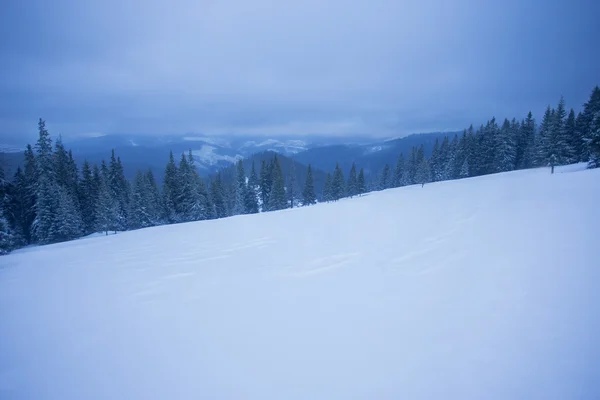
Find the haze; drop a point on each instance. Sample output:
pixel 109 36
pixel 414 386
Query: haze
pixel 340 67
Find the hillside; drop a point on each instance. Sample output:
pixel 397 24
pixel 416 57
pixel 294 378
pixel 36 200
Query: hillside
pixel 481 288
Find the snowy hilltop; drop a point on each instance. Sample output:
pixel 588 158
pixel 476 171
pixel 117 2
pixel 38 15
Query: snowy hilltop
pixel 479 288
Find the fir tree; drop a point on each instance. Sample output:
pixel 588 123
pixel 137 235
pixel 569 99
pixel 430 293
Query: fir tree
pixel 464 169
pixel 292 186
pixel 44 226
pixel 218 197
pixel 170 191
pixel 240 190
pixel 88 194
pixel 352 182
pixel 505 148
pixel 68 224
pixel 434 162
pixel 119 190
pixel 266 183
pixel 107 208
pixel 525 154
pixel 362 186
pixel 308 194
pixel 327 189
pixel 423 174
pixel 399 171
pixel 586 126
pixel 574 142
pixel 593 141
pixel 277 196
pixel 384 180
pixel 338 185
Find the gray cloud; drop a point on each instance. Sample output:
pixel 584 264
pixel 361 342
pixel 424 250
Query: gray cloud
pixel 380 67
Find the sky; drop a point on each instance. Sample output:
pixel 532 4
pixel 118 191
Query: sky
pixel 274 67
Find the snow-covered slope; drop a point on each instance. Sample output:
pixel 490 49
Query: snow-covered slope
pixel 484 288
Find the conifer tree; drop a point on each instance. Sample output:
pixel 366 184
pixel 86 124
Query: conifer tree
pixel 88 194
pixel 574 142
pixel 525 154
pixel 434 162
pixel 384 180
pixel 240 190
pixel 327 189
pixel 399 171
pixel 308 194
pixel 505 148
pixel 170 191
pixel 277 196
pixel 423 174
pixel 292 186
pixel 338 185
pixel 68 224
pixel 586 127
pixel 218 197
pixel 266 183
pixel 593 140
pixel 107 207
pixel 362 186
pixel 352 182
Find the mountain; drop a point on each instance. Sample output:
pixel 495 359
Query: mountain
pixel 213 153
pixel 481 288
pixel 370 156
pixel 287 165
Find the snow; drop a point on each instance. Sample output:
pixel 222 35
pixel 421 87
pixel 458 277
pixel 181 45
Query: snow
pixel 483 288
pixel 207 155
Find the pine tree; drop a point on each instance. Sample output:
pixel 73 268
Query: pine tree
pixel 266 183
pixel 562 140
pixel 464 169
pixel 88 193
pixel 506 151
pixel 327 189
pixel 292 186
pixel 593 141
pixel 586 126
pixel 423 174
pixel 240 190
pixel 543 145
pixel 397 180
pixel 352 182
pixel 525 153
pixel 107 207
pixel 338 185
pixel 384 180
pixel 362 186
pixel 277 196
pixel 253 191
pixel 68 224
pixel 308 194
pixel 47 204
pixel 218 197
pixel 434 162
pixel 170 192
pixel 7 238
pixel 44 160
pixel 119 189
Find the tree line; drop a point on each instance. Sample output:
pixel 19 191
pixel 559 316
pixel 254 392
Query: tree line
pixel 49 200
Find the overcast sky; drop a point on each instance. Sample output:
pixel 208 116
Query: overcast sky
pixel 375 67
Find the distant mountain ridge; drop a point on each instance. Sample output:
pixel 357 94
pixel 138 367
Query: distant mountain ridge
pixel 214 153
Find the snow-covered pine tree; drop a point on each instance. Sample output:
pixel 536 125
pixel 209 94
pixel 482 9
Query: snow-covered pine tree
pixel 423 174
pixel 352 182
pixel 464 169
pixel 587 125
pixel 292 186
pixel 266 183
pixel 434 162
pixel 154 201
pixel 505 148
pixel 543 142
pixel 525 154
pixel 277 196
pixel 218 197
pixel 240 190
pixel 120 190
pixel 450 171
pixel 338 184
pixel 170 192
pixel 384 179
pixel 397 180
pixel 327 189
pixel 47 204
pixel 7 239
pixel 308 194
pixel 68 223
pixel 88 194
pixel 574 142
pixel 107 207
pixel 362 185
pixel 140 217
pixel 562 141
pixel 593 142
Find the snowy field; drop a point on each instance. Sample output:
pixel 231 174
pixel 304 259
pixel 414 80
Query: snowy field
pixel 484 288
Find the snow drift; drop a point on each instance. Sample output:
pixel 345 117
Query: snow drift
pixel 479 288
